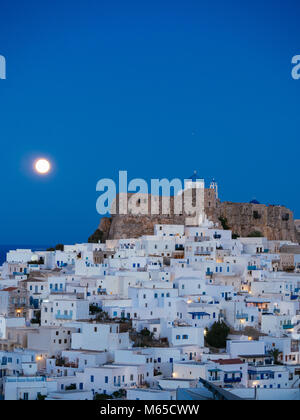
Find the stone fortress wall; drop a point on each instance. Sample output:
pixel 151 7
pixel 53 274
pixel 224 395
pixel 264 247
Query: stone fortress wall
pixel 272 221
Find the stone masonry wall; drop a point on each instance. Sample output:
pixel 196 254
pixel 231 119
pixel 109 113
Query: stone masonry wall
pixel 274 222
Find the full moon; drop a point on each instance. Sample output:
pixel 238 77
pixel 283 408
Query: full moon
pixel 42 166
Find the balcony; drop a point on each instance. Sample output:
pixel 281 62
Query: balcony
pixel 232 380
pixel 63 316
pixel 202 238
pixel 66 363
pixel 288 326
pixel 199 253
pixel 260 375
pixel 214 379
pixel 242 316
pixel 25 379
pixel 260 363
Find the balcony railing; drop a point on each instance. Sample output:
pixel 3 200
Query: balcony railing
pixel 202 238
pixel 288 326
pixel 214 378
pixel 232 380
pixel 242 316
pixel 63 316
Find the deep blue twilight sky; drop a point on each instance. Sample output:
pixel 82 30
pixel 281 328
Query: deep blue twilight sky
pixel 158 88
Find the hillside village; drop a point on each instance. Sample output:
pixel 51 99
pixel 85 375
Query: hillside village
pixel 165 316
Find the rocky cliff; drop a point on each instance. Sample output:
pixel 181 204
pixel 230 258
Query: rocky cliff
pixel 244 219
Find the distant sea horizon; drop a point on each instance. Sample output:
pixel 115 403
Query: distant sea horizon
pixel 4 249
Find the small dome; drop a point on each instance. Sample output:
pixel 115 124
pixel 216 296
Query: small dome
pixel 254 201
pixel 193 177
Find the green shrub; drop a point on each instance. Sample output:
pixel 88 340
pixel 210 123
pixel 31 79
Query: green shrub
pixel 217 335
pixel 255 234
pixel 224 223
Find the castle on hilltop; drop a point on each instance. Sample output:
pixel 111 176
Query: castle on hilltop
pixel 243 219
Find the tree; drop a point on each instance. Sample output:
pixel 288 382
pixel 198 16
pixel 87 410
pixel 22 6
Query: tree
pixel 217 335
pixel 119 394
pixel 145 332
pixel 275 354
pixel 94 309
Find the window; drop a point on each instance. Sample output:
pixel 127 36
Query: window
pixel 106 379
pixel 92 378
